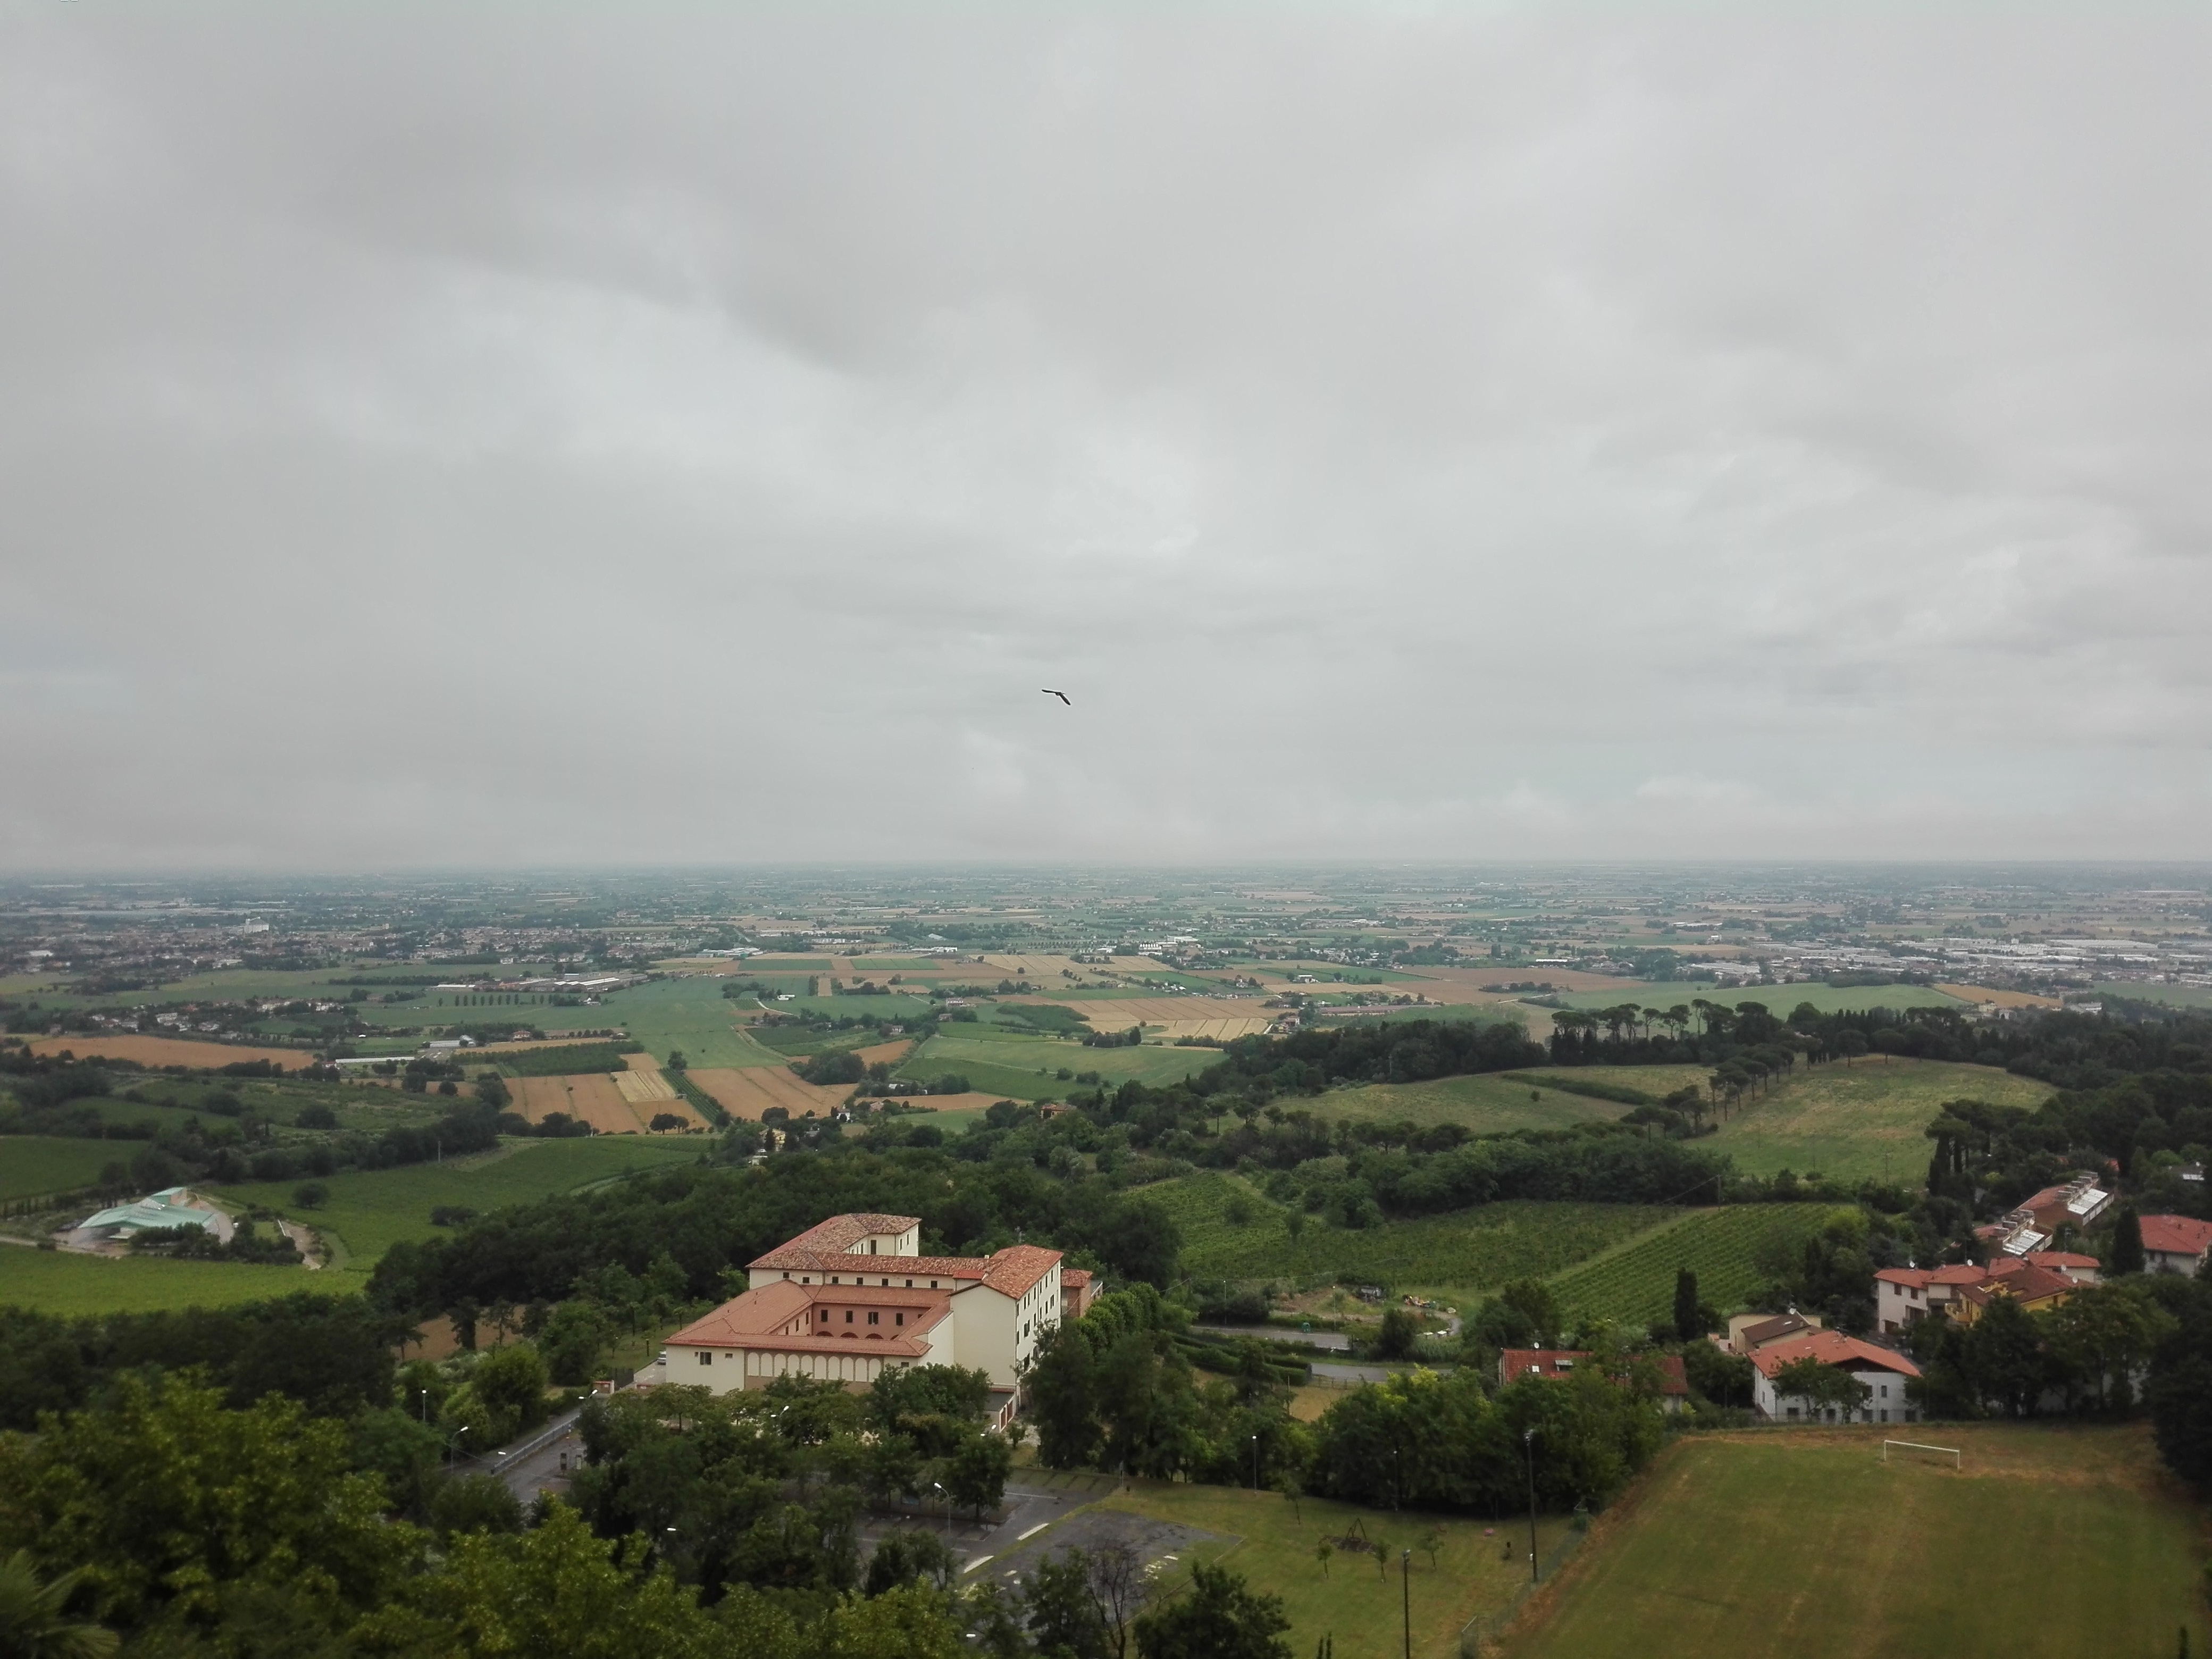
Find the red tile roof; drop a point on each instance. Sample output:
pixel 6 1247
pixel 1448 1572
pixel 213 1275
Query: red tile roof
pixel 1832 1348
pixel 1551 1363
pixel 780 1316
pixel 1074 1279
pixel 1017 1268
pixel 2177 1235
pixel 837 1235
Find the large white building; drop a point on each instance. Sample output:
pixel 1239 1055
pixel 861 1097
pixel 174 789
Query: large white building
pixel 847 1297
pixel 1882 1372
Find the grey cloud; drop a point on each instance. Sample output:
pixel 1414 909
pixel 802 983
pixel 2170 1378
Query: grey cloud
pixel 481 437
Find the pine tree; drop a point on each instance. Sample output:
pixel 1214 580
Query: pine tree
pixel 2127 1243
pixel 1687 1325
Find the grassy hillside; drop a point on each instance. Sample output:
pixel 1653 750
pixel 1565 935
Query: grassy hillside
pixel 32 1164
pixel 1485 1105
pixel 1458 1253
pixel 1864 1119
pixel 1005 1062
pixel 2049 1541
pixel 58 1282
pixel 369 1211
pixel 1634 1284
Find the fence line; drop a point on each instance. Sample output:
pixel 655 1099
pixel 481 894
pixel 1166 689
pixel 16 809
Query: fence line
pixel 1483 1630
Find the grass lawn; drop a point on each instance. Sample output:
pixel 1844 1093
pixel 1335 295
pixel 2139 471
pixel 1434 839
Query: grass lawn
pixel 1458 1253
pixel 369 1211
pixel 1477 1567
pixel 2173 996
pixel 1779 999
pixel 2052 1540
pixel 32 1164
pixel 59 1282
pixel 1861 1120
pixel 1634 1283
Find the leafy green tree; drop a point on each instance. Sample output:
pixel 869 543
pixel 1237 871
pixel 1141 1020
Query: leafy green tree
pixel 161 1495
pixel 34 1623
pixel 1219 1618
pixel 906 1623
pixel 512 1382
pixel 1822 1387
pixel 2007 1358
pixel 909 1555
pixel 2103 1334
pixel 1064 1398
pixel 1064 1619
pixel 404 1450
pixel 474 1502
pixel 976 1477
pixel 573 1337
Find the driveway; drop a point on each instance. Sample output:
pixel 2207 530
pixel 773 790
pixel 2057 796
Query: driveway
pixel 1328 1342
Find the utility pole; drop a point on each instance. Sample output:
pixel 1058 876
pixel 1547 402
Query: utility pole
pixel 1529 1440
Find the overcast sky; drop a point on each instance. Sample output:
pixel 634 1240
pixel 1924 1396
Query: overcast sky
pixel 455 435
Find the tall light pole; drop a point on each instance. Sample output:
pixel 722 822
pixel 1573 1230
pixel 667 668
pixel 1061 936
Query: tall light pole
pixel 1256 1463
pixel 1406 1579
pixel 939 1486
pixel 1529 1440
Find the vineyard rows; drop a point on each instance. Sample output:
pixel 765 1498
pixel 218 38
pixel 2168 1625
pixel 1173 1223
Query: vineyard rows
pixel 1635 1284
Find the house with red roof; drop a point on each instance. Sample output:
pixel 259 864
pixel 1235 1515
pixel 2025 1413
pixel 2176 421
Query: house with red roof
pixel 1883 1372
pixel 853 1295
pixel 2040 1278
pixel 2175 1243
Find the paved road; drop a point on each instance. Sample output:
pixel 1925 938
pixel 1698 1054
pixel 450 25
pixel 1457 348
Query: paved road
pixel 554 1449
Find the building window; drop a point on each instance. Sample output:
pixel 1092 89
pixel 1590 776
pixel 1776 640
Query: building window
pixel 825 1315
pixel 933 1284
pixel 1885 1391
pixel 849 1316
pixel 871 1316
pixel 902 1319
pixel 706 1359
pixel 909 1284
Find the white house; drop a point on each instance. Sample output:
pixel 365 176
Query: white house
pixel 1881 1372
pixel 2175 1243
pixel 847 1297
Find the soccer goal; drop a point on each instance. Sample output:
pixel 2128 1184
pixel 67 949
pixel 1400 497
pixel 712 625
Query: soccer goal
pixel 1951 1452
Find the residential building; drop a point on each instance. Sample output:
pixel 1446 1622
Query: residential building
pixel 2032 1224
pixel 2040 1278
pixel 1748 1332
pixel 1555 1364
pixel 853 1295
pixel 2175 1243
pixel 1078 1290
pixel 1882 1371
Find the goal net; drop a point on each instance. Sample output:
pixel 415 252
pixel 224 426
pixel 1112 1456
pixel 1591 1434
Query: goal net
pixel 1912 1451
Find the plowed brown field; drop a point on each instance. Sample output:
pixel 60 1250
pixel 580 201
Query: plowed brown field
pixel 747 1091
pixel 886 1053
pixel 593 1099
pixel 638 1087
pixel 1119 1014
pixel 1223 1030
pixel 168 1051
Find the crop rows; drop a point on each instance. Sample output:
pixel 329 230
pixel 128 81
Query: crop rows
pixel 1635 1284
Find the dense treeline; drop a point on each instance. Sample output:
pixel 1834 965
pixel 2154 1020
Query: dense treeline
pixel 710 1220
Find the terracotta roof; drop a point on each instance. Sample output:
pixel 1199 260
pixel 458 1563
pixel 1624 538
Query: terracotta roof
pixel 2029 1279
pixel 1016 1268
pixel 1832 1348
pixel 1771 1330
pixel 848 1267
pixel 1551 1363
pixel 1074 1279
pixel 838 1235
pixel 2062 1259
pixel 2177 1235
pixel 764 1318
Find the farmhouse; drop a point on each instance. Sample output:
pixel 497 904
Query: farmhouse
pixel 2175 1243
pixel 1749 1333
pixel 1882 1372
pixel 853 1295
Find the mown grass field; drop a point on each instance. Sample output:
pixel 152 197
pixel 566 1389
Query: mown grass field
pixel 1003 1062
pixel 1779 999
pixel 2051 1540
pixel 1864 1119
pixel 1634 1283
pixel 60 1282
pixel 1458 1254
pixel 369 1211
pixel 2173 996
pixel 32 1164
pixel 1477 1568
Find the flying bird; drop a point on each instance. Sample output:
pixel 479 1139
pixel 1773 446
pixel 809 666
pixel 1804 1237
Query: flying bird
pixel 1062 695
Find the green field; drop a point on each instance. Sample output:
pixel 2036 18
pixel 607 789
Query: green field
pixel 1458 1254
pixel 1780 999
pixel 62 1282
pixel 997 1061
pixel 34 1164
pixel 2049 1541
pixel 1271 1544
pixel 1864 1119
pixel 1634 1283
pixel 110 1109
pixel 2172 996
pixel 1484 1105
pixel 1479 1013
pixel 369 1211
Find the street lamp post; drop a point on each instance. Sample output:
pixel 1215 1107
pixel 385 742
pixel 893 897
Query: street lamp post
pixel 1256 1463
pixel 1405 1579
pixel 939 1486
pixel 1529 1440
